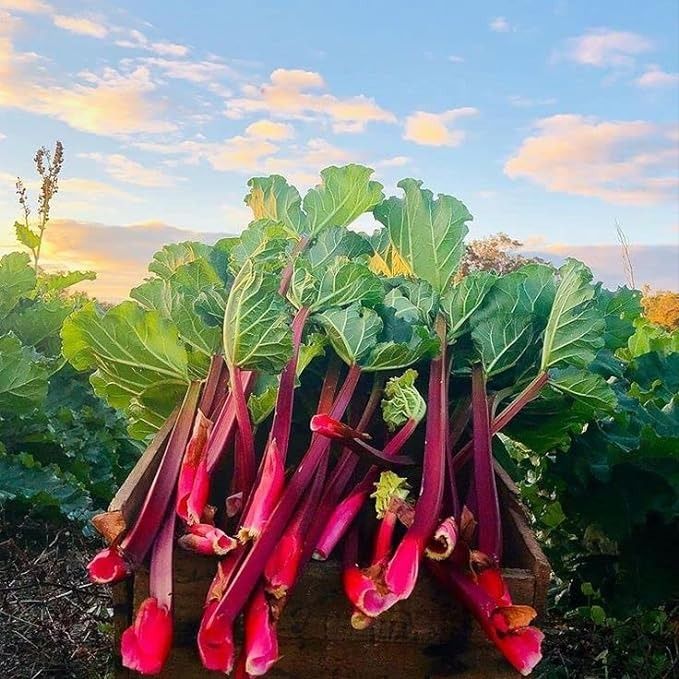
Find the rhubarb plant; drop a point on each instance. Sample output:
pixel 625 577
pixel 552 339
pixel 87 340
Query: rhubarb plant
pixel 297 330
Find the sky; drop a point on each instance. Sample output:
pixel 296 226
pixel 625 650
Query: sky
pixel 552 121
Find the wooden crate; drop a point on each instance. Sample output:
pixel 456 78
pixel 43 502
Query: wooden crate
pixel 428 635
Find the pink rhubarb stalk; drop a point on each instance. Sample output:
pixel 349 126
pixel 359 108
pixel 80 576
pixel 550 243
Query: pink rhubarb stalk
pixel 507 626
pixel 146 644
pixel 245 579
pixel 206 539
pixel 136 544
pixel 194 459
pixel 272 469
pixel 401 573
pixel 488 508
pixel 261 638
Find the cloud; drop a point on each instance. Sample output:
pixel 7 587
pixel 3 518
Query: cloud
pixel 268 129
pixel 137 40
pixel 130 171
pixel 396 161
pixel 112 102
pixel 80 25
pixel 2 136
pixel 656 77
pixel 298 94
pixel 499 25
pixel 456 59
pixel 28 6
pixel 119 254
pixel 205 71
pixel 623 162
pixel 654 265
pixel 603 47
pixel 436 129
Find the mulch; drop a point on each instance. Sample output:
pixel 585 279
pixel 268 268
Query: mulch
pixel 53 621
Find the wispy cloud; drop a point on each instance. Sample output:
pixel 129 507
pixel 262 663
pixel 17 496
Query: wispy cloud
pixel 80 25
pixel 129 171
pixel 437 129
pixel 624 162
pixel 135 39
pixel 605 47
pixel 269 129
pixel 456 59
pixel 299 94
pixel 500 25
pixel 654 76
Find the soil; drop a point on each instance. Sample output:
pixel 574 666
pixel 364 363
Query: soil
pixel 53 621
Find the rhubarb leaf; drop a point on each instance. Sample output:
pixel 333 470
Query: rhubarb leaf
pixel 428 233
pixel 256 322
pixel 210 304
pixel 386 260
pixel 274 199
pixel 502 341
pixel 130 349
pixel 262 241
pixel 619 310
pixel 393 355
pixel 590 389
pixel 23 376
pixel 262 400
pixel 337 242
pixel 413 301
pixel 17 280
pixel 344 283
pixel 402 401
pixel 574 331
pixel 344 194
pixel 166 261
pixel 462 300
pixel 56 282
pixel 352 331
pixel 26 236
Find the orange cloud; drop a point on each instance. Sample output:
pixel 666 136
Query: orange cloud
pixel 437 129
pixel 130 171
pixel 297 94
pixel 616 161
pixel 268 129
pixel 80 25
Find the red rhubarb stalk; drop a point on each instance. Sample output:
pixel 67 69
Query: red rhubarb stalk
pixel 145 645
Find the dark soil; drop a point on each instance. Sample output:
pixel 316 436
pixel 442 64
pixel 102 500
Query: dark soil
pixel 53 622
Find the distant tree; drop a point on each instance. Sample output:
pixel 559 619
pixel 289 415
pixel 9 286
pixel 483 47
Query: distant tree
pixel 494 253
pixel 661 307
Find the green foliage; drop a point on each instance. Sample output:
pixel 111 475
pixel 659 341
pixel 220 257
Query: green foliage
pixel 428 233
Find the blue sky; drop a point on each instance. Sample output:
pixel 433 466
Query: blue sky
pixel 550 120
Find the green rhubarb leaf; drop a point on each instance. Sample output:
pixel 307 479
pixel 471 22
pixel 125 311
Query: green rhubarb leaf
pixel 502 341
pixel 23 376
pixel 402 401
pixel 462 300
pixel 148 411
pixel 38 324
pixel 344 283
pixel 24 479
pixel 395 355
pixel 428 233
pixel 166 261
pixel 129 348
pixel 413 301
pixel 274 199
pixel 26 236
pixel 313 347
pixel 263 241
pixel 619 310
pixel 590 389
pixel 352 331
pixel 574 331
pixel 220 258
pixel 256 330
pixel 210 304
pixel 337 242
pixel 56 282
pixel 303 289
pixel 650 337
pixel 262 401
pixel 389 487
pixel 17 280
pixel 344 194
pixel 192 277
